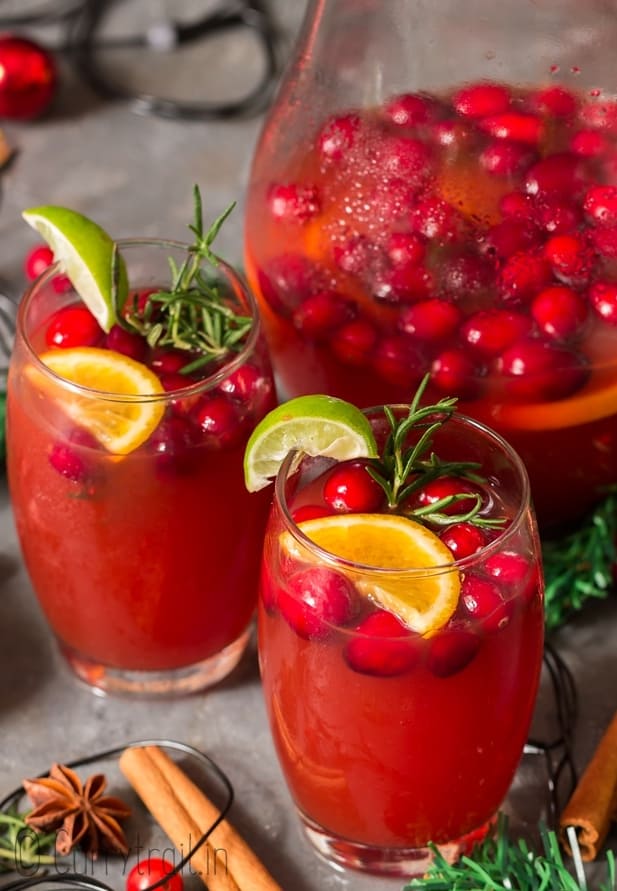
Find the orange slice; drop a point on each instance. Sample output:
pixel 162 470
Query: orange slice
pixel 119 424
pixel 389 551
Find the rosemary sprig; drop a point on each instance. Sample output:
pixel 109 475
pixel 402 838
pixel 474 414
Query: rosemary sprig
pixel 579 566
pixel 501 863
pixel 21 847
pixel 192 314
pixel 403 470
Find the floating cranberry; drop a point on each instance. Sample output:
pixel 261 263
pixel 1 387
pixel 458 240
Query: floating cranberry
pixel 509 237
pixel 604 241
pixel 219 418
pixel 405 249
pixel 589 144
pixel 491 331
pixel 515 574
pixel 403 284
pixel 452 650
pixel 556 215
pixel 382 646
pixel 338 136
pixel 349 488
pixel 244 383
pixel 516 204
pixel 37 261
pixel 175 442
pixel 570 257
pixel 559 312
pixel 482 99
pixel 463 539
pixel 289 279
pixel 600 205
pixel 353 342
pixel 320 314
pixel 430 320
pixel 466 493
pixel 409 109
pixel 464 275
pixel 453 371
pixel 73 326
pixel 126 342
pixel 435 219
pixel 506 158
pixel 310 512
pixel 356 254
pixel 484 602
pixel 315 599
pixel 293 202
pixel 538 371
pixel 404 157
pixel 515 126
pixel 397 360
pixel 554 100
pixel 603 298
pixel 70 457
pixel 168 361
pixel 139 303
pixel 451 134
pixel 389 200
pixel 523 275
pixel 556 174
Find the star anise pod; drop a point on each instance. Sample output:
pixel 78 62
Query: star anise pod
pixel 79 812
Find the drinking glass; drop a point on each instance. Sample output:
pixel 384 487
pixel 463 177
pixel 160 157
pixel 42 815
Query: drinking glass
pixel 435 189
pixel 389 739
pixel 145 563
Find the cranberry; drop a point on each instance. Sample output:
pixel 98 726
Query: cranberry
pixel 321 313
pixel 556 174
pixel 451 134
pixel 382 646
pixel 430 320
pixel 599 115
pixel 403 283
pixel 453 371
pixel 287 280
pixel 604 241
pixel 506 158
pixel 356 254
pixel 512 125
pixel 515 573
pixel 554 100
pixel 537 371
pixel 244 383
pixel 293 202
pixel 447 487
pixel 452 650
pixel 516 204
pixel 139 303
pixel 316 598
pixel 600 205
pixel 338 136
pixel 589 144
pixel 559 312
pixel 354 341
pixel 523 275
pixel 168 361
pixel 409 109
pixel 570 258
pixel 482 99
pixel 390 198
pixel 435 219
pixel 405 249
pixel 127 343
pixel 397 360
pixel 152 870
pixel 310 512
pixel 407 158
pixel 174 442
pixel 556 215
pixel 483 601
pixel 491 331
pixel 73 326
pixel 603 298
pixel 218 417
pixel 463 539
pixel 350 488
pixel 37 261
pixel 464 275
pixel 68 457
pixel 509 237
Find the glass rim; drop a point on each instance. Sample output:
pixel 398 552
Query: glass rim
pixel 212 380
pixel 292 461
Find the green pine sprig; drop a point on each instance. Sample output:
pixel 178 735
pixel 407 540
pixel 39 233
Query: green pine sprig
pixel 21 846
pixel 500 862
pixel 580 566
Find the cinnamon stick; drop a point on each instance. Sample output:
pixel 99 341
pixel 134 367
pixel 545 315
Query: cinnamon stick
pixel 151 771
pixel 593 803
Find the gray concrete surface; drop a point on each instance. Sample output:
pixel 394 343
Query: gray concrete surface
pixel 134 175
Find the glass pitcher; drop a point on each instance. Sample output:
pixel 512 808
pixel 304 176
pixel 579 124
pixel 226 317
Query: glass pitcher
pixel 435 189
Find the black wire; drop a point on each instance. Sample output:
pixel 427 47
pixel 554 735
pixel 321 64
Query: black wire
pixel 50 12
pixel 88 882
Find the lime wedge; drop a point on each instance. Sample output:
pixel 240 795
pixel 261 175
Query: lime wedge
pixel 84 252
pixel 315 425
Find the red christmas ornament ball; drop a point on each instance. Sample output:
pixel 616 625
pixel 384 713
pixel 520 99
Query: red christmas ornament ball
pixel 28 78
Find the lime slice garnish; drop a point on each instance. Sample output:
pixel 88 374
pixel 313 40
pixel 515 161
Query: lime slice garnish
pixel 315 425
pixel 84 253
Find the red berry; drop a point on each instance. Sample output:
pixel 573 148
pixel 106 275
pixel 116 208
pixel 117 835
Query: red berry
pixel 409 109
pixel 600 205
pixel 354 341
pixel 603 298
pixel 315 599
pixel 403 157
pixel 506 158
pixel 148 872
pixel 169 361
pixel 454 372
pixel 516 204
pixel 537 371
pixel 37 260
pixel 480 100
pixel 244 383
pixel 350 488
pixel 73 326
pixel 70 457
pixel 451 134
pixel 523 275
pixel 447 487
pixel 403 284
pixel 405 249
pixel 435 219
pixel 483 601
pixel 287 280
pixel 338 136
pixel 430 320
pixel 556 174
pixel 600 115
pixel 559 312
pixel 219 418
pixel 516 574
pixel 293 202
pixel 321 313
pixel 589 144
pixel 452 650
pixel 28 78
pixel 554 100
pixel 463 539
pixel 397 360
pixel 512 125
pixel 570 258
pixel 465 275
pixel 126 342
pixel 508 237
pixel 310 512
pixel 175 443
pixel 604 241
pixel 491 331
pixel 382 646
pixel 356 254
pixel 556 215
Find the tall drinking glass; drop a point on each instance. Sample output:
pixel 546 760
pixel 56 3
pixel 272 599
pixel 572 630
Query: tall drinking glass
pixel 143 561
pixel 389 738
